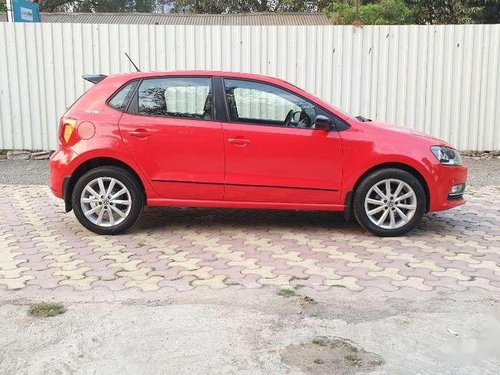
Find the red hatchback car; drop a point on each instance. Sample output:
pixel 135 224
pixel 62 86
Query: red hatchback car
pixel 219 139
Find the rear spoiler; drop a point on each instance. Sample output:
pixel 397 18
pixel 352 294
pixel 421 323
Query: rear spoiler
pixel 94 78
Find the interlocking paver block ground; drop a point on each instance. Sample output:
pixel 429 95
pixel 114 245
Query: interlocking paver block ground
pixel 42 247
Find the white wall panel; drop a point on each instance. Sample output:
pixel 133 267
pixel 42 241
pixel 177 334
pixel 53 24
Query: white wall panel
pixel 443 80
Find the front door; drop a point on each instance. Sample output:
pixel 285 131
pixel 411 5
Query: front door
pixel 172 135
pixel 273 152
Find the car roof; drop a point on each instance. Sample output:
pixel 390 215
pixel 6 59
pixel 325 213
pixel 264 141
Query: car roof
pixel 201 73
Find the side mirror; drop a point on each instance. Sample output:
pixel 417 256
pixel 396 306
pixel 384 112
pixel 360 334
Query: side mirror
pixel 322 123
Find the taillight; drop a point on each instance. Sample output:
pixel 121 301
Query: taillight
pixel 68 126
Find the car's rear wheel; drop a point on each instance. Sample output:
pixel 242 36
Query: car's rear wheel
pixel 107 200
pixel 389 202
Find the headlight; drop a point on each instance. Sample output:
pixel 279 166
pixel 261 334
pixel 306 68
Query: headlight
pixel 446 155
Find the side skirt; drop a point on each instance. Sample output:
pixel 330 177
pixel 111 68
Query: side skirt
pixel 252 205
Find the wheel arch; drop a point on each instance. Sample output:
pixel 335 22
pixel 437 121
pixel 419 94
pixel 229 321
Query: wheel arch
pixel 402 166
pixel 94 163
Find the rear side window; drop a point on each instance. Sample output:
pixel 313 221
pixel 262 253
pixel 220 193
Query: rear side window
pixel 121 99
pixel 183 97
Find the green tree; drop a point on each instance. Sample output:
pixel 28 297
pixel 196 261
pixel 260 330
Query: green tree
pixel 114 6
pixel 456 11
pixel 239 6
pixel 414 11
pixel 491 13
pixel 144 6
pixel 383 12
pixel 98 6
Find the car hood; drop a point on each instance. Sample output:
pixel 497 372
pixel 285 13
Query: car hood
pixel 399 130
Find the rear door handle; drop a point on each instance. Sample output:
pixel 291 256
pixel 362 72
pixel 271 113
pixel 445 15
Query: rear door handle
pixel 242 142
pixel 139 133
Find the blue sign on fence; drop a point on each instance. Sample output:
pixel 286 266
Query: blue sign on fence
pixel 25 11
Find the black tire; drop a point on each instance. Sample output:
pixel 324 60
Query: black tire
pixel 129 182
pixel 394 175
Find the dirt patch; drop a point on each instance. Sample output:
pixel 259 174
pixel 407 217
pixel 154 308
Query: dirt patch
pixel 324 355
pixel 305 301
pixel 46 310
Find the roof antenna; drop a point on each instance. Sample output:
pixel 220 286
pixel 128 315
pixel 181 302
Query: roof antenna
pixel 135 66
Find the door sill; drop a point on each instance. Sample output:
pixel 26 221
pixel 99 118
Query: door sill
pixel 252 205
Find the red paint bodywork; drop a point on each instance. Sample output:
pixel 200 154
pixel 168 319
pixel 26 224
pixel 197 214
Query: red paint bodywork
pixel 184 162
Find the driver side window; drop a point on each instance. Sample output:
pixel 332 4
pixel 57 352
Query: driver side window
pixel 259 103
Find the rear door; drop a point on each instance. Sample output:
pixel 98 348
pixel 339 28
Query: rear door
pixel 171 133
pixel 273 152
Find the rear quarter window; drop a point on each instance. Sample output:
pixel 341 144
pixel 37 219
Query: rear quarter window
pixel 122 97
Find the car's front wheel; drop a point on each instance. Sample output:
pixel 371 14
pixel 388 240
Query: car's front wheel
pixel 107 200
pixel 389 202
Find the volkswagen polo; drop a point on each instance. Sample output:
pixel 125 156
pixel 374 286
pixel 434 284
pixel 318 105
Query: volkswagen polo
pixel 219 139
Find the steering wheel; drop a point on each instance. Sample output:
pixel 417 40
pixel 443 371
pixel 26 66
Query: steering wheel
pixel 289 117
pixel 303 122
pixel 304 119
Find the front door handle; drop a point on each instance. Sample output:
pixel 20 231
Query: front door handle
pixel 139 133
pixel 241 142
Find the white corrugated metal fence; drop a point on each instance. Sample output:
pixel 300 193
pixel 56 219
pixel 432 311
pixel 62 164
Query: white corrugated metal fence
pixel 443 80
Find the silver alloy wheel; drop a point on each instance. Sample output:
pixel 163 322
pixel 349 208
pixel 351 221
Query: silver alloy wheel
pixel 105 201
pixel 390 203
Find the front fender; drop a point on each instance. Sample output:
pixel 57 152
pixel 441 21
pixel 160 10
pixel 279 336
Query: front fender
pixel 353 174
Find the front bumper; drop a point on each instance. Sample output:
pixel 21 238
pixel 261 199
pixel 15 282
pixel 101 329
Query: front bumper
pixel 445 177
